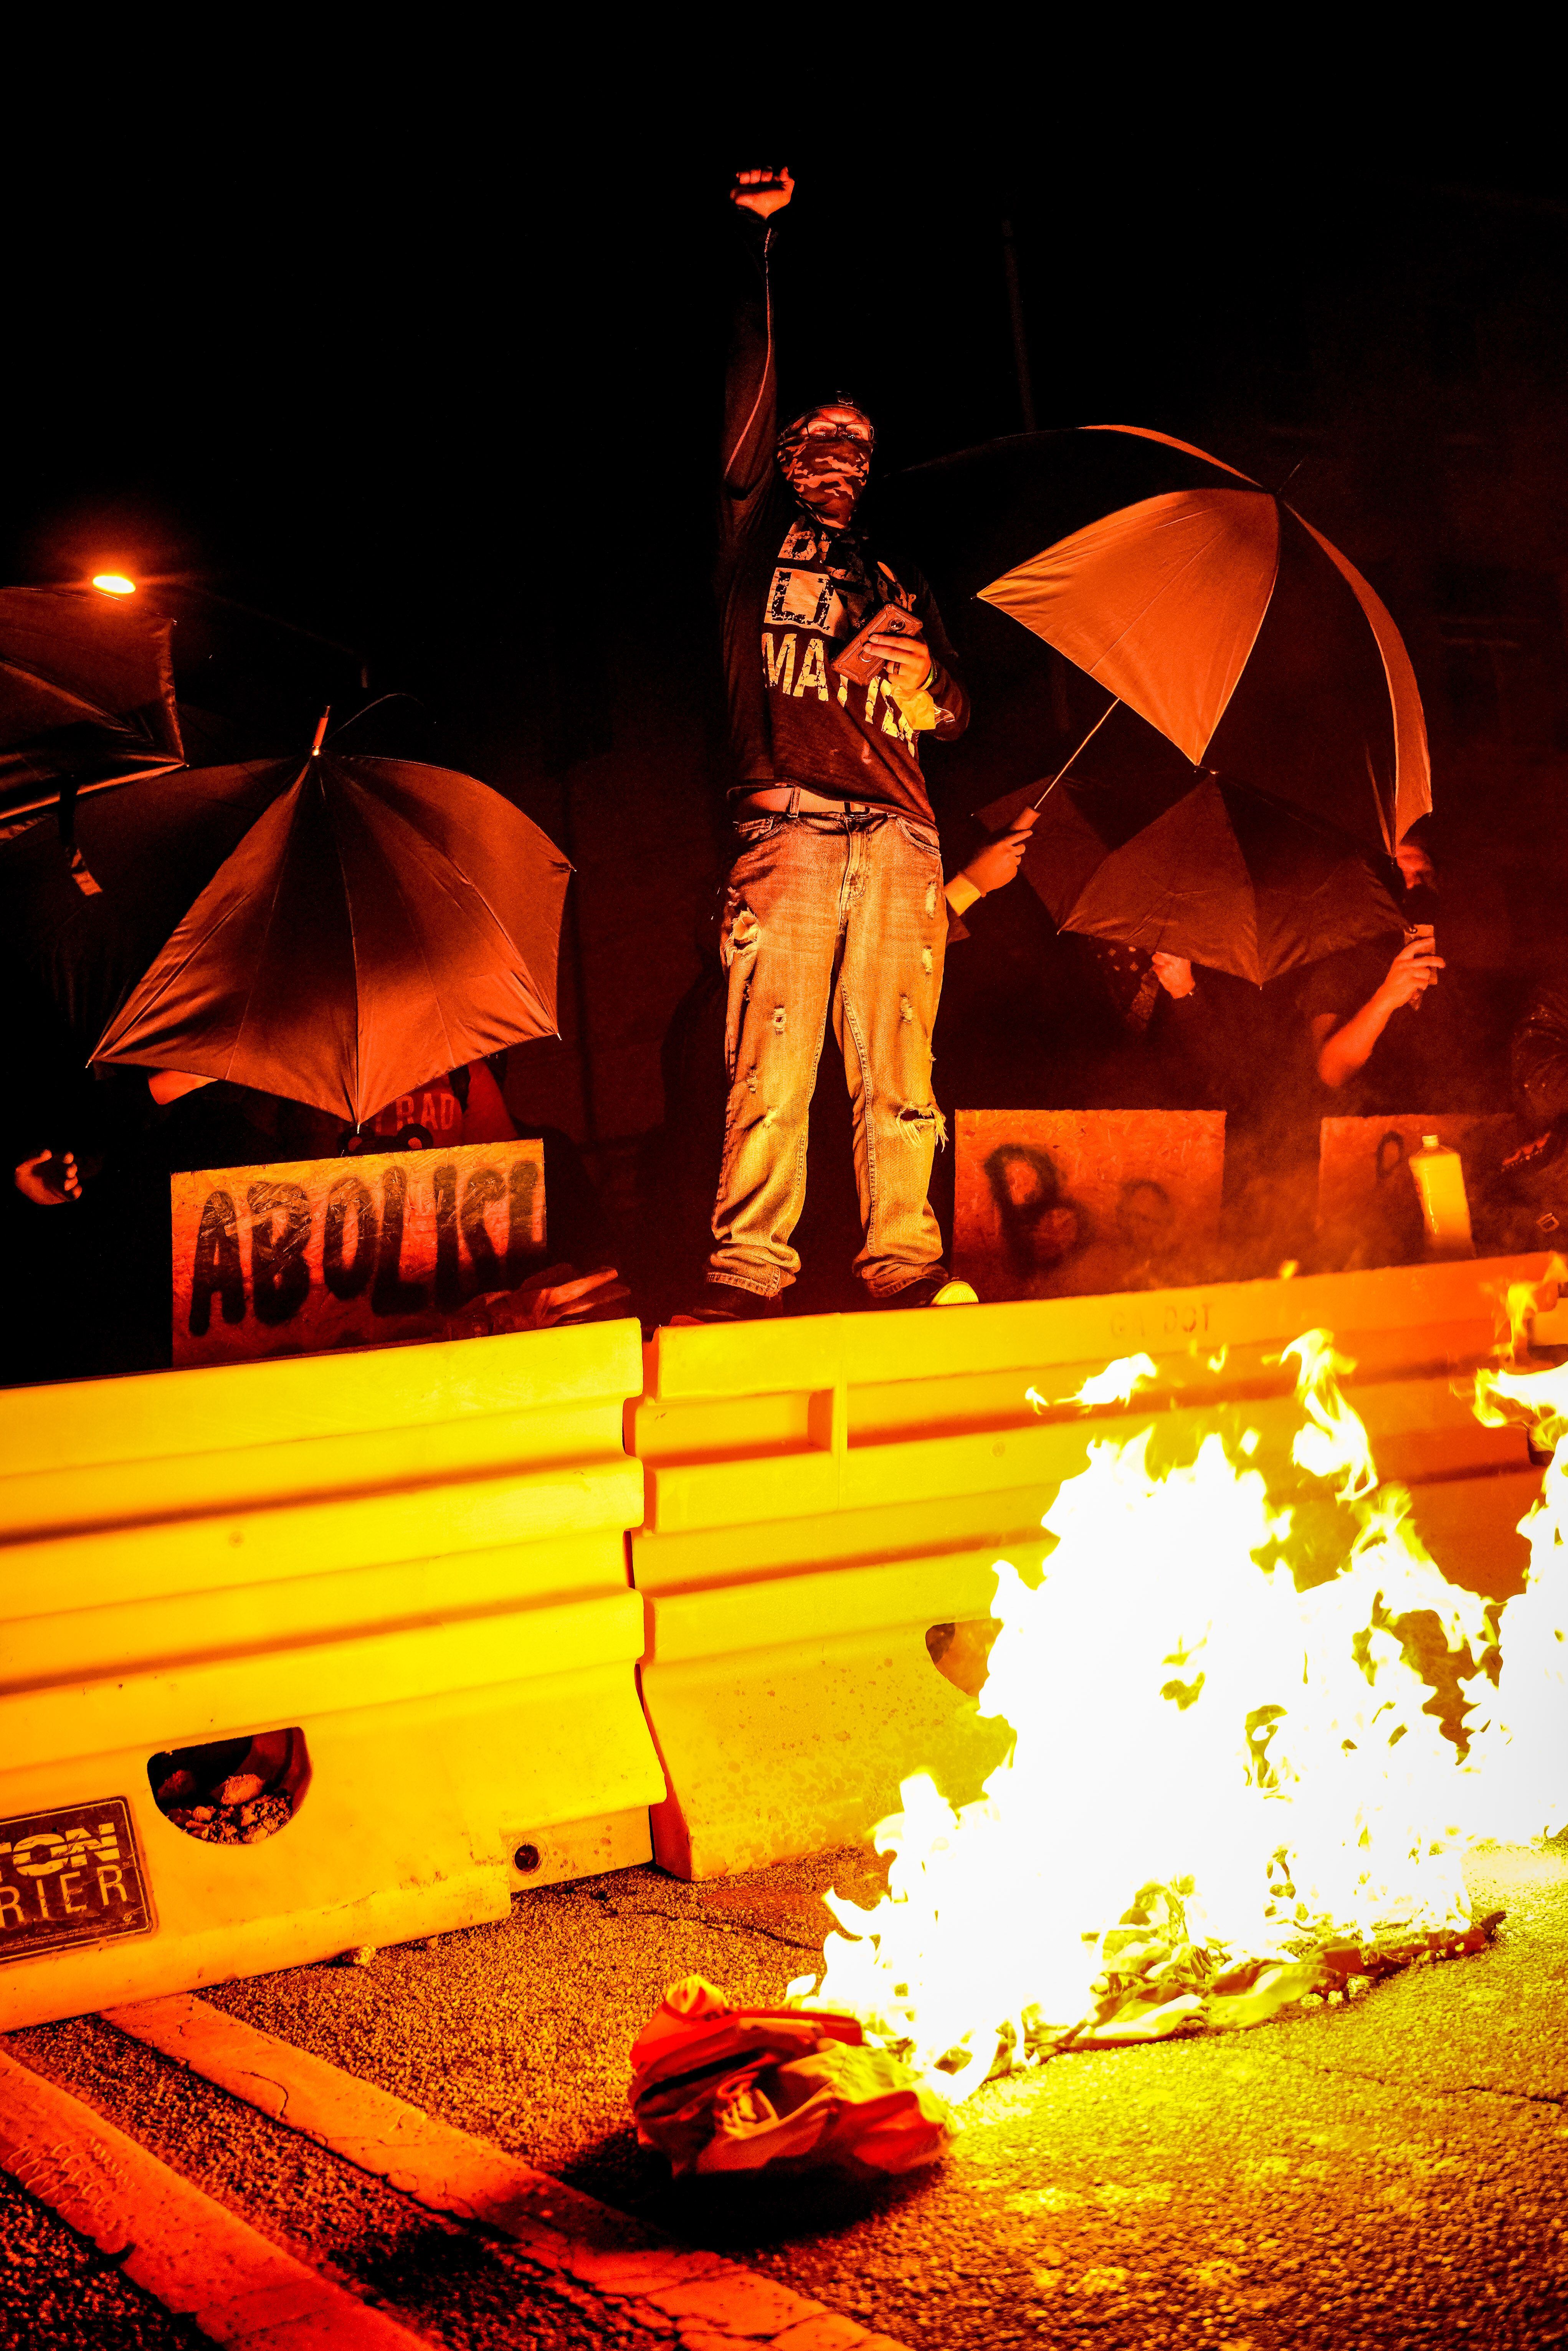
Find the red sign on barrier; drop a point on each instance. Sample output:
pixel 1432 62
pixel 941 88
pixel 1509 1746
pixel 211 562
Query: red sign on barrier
pixel 316 1254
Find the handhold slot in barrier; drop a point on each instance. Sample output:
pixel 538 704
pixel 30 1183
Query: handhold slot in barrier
pixel 231 1791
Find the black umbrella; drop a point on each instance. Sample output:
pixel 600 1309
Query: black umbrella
pixel 1141 851
pixel 327 928
pixel 381 921
pixel 151 849
pixel 87 697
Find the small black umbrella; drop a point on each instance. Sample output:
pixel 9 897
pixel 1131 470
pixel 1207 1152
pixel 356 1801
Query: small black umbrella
pixel 87 697
pixel 1135 846
pixel 151 849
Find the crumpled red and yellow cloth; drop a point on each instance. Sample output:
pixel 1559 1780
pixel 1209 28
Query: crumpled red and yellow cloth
pixel 727 2089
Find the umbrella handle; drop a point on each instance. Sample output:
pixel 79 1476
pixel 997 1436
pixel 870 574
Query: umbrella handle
pixel 1083 746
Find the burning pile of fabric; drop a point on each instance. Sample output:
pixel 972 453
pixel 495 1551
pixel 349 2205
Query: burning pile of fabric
pixel 733 2089
pixel 1231 1786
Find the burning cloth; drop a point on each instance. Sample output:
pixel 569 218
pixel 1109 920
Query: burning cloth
pixel 721 2088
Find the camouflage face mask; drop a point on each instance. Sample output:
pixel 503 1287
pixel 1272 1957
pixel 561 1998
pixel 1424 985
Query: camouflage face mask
pixel 825 458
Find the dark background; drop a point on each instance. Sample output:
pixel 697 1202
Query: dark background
pixel 450 401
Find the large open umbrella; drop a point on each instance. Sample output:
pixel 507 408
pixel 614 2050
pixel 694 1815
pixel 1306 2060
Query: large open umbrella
pixel 1198 598
pixel 376 922
pixel 87 697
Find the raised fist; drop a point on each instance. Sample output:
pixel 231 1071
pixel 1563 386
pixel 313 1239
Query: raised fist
pixel 762 192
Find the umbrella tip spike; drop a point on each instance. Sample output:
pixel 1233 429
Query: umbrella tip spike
pixel 321 730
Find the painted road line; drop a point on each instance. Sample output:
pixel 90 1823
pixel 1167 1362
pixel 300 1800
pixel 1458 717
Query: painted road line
pixel 630 2270
pixel 196 2259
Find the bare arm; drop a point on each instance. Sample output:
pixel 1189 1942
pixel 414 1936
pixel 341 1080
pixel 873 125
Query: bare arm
pixel 1344 1048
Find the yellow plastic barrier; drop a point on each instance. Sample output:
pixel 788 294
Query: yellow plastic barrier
pixel 824 1493
pixel 415 1557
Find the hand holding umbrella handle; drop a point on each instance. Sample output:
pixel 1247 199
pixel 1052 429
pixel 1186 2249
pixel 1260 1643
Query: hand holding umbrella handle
pixel 1174 975
pixel 993 867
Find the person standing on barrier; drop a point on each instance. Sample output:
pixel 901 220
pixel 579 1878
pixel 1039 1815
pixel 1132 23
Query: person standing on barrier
pixel 835 902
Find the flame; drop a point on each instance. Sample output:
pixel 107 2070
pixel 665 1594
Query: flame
pixel 1522 1747
pixel 1521 1301
pixel 1118 1383
pixel 1335 1441
pixel 1219 1778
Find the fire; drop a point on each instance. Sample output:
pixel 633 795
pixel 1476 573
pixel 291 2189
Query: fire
pixel 1521 1302
pixel 1217 1775
pixel 1117 1384
pixel 1522 1751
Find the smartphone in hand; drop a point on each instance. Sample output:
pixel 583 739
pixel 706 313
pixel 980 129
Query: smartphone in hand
pixel 891 621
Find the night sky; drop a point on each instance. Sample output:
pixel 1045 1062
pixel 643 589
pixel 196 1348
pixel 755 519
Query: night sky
pixel 416 393
pixel 440 380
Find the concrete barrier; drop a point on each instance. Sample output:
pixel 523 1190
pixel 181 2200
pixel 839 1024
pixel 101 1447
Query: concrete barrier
pixel 412 1558
pixel 826 1496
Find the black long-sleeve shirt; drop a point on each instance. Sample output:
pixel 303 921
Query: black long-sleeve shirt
pixel 792 589
pixel 1538 1055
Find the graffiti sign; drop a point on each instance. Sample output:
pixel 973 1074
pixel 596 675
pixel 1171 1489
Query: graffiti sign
pixel 1073 1203
pixel 316 1254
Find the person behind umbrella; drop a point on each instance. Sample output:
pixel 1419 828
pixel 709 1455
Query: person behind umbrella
pixel 1361 1005
pixel 836 898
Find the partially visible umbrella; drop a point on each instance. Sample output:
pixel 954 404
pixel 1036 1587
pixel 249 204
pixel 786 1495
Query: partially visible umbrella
pixel 151 848
pixel 379 922
pixel 1198 598
pixel 1133 846
pixel 87 697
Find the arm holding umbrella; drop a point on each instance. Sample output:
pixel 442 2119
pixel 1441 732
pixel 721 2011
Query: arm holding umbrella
pixel 1175 975
pixel 994 866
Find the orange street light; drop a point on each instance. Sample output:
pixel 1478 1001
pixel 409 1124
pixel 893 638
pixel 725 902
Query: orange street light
pixel 113 583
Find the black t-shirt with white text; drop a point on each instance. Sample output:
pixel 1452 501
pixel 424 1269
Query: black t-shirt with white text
pixel 794 589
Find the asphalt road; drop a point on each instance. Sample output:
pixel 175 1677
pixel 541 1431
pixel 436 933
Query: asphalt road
pixel 1388 2172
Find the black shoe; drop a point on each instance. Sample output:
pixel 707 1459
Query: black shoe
pixel 723 1301
pixel 937 1288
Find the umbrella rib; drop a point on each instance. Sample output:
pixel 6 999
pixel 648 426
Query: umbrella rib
pixel 353 956
pixel 92 710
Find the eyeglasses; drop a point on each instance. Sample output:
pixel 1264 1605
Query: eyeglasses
pixel 829 429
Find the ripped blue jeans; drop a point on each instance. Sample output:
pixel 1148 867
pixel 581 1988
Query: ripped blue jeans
pixel 840 912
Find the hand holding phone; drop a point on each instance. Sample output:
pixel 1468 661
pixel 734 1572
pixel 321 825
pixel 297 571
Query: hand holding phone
pixel 858 660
